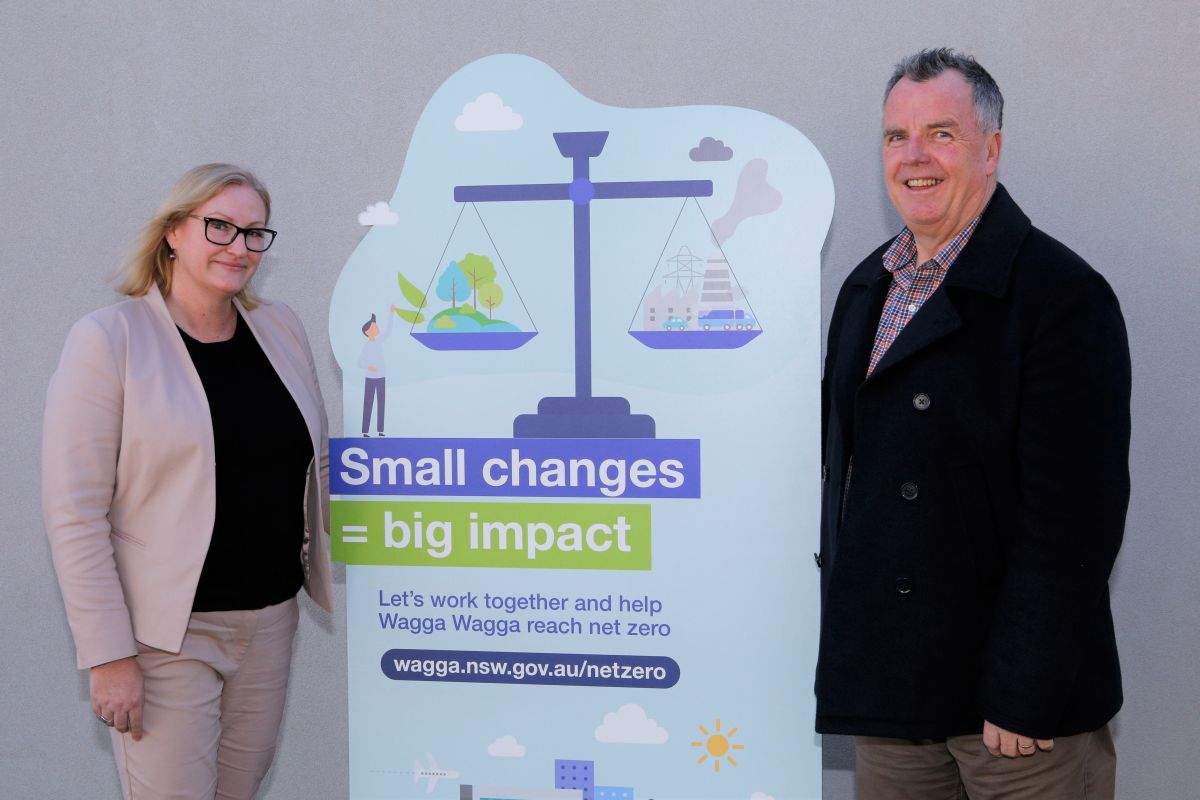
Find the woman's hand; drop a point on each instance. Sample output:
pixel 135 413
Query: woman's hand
pixel 117 695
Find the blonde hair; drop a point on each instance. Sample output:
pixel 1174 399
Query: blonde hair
pixel 149 261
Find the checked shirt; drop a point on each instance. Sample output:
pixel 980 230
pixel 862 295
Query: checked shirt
pixel 912 284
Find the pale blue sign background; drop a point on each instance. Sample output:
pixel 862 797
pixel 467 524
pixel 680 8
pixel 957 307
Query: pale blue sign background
pixel 734 569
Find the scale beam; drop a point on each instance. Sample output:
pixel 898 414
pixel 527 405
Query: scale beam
pixel 520 191
pixel 621 190
pixel 605 190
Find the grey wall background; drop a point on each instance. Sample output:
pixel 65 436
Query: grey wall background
pixel 103 105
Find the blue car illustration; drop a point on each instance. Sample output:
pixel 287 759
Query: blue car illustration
pixel 674 324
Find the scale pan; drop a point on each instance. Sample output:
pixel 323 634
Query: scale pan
pixel 694 340
pixel 475 340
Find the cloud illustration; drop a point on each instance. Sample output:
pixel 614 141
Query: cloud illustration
pixel 761 796
pixel 506 747
pixel 378 214
pixel 488 113
pixel 710 149
pixel 630 725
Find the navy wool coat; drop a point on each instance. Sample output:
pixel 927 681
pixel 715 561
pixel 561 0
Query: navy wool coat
pixel 965 556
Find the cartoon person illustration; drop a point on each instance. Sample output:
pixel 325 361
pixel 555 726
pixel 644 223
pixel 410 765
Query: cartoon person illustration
pixel 371 359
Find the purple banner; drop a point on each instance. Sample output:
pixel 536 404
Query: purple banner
pixel 612 468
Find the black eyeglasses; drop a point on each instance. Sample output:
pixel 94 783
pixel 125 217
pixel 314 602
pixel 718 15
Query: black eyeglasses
pixel 223 232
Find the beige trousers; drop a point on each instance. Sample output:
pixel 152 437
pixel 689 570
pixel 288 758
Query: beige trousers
pixel 213 710
pixel 1079 767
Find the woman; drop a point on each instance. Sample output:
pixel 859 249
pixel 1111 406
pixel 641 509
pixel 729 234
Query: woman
pixel 185 496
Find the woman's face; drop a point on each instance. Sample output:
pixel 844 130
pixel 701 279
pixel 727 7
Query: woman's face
pixel 203 269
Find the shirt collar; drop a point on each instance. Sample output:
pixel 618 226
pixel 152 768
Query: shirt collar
pixel 900 258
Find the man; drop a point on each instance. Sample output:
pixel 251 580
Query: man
pixel 371 359
pixel 976 412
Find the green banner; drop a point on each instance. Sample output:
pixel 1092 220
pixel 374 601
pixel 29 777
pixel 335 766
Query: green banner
pixel 504 535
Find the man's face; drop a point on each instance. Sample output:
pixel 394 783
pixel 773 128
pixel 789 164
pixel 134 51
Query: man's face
pixel 372 331
pixel 938 166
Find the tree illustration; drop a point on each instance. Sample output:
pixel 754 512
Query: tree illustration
pixel 453 284
pixel 479 270
pixel 490 295
pixel 415 298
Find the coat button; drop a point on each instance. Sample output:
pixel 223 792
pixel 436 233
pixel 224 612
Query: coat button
pixel 903 586
pixel 921 401
pixel 908 490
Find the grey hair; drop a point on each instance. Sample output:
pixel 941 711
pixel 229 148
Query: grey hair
pixel 928 64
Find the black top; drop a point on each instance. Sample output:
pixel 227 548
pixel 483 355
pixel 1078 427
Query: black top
pixel 263 451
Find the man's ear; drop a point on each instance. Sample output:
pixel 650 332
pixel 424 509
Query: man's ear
pixel 994 143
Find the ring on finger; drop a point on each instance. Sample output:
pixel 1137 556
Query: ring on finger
pixel 104 719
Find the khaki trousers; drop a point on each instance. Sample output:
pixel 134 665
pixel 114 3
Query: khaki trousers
pixel 213 710
pixel 1079 767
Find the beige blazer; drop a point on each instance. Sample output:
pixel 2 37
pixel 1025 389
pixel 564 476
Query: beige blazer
pixel 128 472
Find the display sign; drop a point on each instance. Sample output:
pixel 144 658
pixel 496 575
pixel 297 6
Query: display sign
pixel 578 497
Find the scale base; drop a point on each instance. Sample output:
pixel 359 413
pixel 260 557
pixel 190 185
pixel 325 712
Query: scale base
pixel 583 418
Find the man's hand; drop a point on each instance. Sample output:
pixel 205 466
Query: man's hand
pixel 372 369
pixel 1000 742
pixel 117 695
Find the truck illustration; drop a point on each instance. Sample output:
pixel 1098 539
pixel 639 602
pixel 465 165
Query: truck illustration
pixel 726 320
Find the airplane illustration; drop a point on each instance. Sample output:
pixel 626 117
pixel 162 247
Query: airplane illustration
pixel 432 773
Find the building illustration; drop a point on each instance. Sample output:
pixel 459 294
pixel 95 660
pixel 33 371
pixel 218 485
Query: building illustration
pixel 574 779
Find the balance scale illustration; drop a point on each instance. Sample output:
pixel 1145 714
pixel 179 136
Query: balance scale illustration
pixel 585 415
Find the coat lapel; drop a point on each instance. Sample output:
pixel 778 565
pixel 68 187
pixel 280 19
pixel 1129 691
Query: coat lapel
pixel 858 336
pixel 284 357
pixel 936 320
pixel 983 266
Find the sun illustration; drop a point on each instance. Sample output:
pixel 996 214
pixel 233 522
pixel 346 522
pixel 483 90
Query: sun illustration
pixel 717 745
